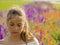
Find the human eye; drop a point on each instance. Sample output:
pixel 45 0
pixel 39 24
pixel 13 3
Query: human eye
pixel 19 24
pixel 12 24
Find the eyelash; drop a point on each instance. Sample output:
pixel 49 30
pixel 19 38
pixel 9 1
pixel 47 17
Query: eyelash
pixel 18 25
pixel 14 24
pixel 11 24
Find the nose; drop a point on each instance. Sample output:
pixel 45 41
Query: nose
pixel 16 28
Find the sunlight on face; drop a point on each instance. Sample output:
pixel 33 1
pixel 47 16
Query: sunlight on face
pixel 15 25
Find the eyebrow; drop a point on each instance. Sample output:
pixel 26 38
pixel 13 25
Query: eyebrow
pixel 20 23
pixel 11 22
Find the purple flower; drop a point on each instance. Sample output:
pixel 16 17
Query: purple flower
pixel 55 9
pixel 1 14
pixel 40 32
pixel 42 43
pixel 2 31
pixel 35 19
pixel 29 12
pixel 38 9
pixel 59 44
pixel 1 36
pixel 0 27
pixel 41 18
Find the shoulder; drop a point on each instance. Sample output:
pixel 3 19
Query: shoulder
pixel 1 41
pixel 34 42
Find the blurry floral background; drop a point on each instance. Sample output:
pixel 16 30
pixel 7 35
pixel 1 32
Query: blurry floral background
pixel 44 22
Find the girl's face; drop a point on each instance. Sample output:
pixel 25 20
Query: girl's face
pixel 15 25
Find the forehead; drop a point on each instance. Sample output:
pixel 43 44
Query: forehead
pixel 16 19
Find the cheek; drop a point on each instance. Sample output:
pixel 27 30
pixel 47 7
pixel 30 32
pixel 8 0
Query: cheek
pixel 10 28
pixel 21 29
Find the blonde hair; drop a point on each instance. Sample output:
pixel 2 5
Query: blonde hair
pixel 25 35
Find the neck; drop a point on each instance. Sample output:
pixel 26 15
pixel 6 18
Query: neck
pixel 15 37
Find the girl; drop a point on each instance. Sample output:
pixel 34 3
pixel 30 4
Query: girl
pixel 18 28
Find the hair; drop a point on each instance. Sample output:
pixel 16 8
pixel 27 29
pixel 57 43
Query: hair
pixel 25 35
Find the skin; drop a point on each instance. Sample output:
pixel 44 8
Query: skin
pixel 15 27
